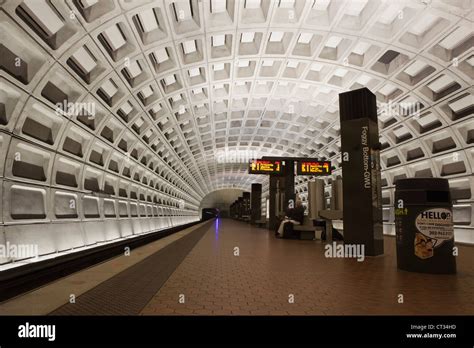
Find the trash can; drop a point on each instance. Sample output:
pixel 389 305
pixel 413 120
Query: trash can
pixel 424 226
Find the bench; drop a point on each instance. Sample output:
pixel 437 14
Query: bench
pixel 330 215
pixel 261 222
pixel 246 218
pixel 306 231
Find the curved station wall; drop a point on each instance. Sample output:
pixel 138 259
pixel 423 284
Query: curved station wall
pixel 118 117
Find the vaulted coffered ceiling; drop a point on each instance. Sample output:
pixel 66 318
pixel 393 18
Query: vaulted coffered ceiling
pixel 176 84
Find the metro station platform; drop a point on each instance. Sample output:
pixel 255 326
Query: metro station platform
pixel 200 271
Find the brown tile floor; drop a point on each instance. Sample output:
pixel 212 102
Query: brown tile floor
pixel 269 270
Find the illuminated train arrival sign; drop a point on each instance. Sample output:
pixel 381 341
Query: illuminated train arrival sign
pixel 266 167
pixel 316 168
pixel 304 166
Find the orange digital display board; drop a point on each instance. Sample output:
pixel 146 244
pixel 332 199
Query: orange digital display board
pixel 313 168
pixel 265 167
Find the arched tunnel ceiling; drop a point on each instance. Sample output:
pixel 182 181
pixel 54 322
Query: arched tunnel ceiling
pixel 181 86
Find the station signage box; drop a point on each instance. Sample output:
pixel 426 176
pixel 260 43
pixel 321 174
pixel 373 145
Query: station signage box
pixel 270 167
pixel 316 168
pixel 361 171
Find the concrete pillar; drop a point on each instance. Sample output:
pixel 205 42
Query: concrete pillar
pixel 232 210
pixel 362 192
pixel 256 203
pixel 272 202
pixel 239 207
pixel 289 184
pixel 280 186
pixel 337 194
pixel 316 200
pixel 246 203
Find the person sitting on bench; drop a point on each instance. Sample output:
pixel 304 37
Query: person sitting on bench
pixel 294 216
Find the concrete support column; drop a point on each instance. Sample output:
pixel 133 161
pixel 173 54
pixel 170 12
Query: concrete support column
pixel 240 209
pixel 280 195
pixel 362 191
pixel 272 202
pixel 233 210
pixel 337 194
pixel 316 200
pixel 289 183
pixel 256 203
pixel 246 203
